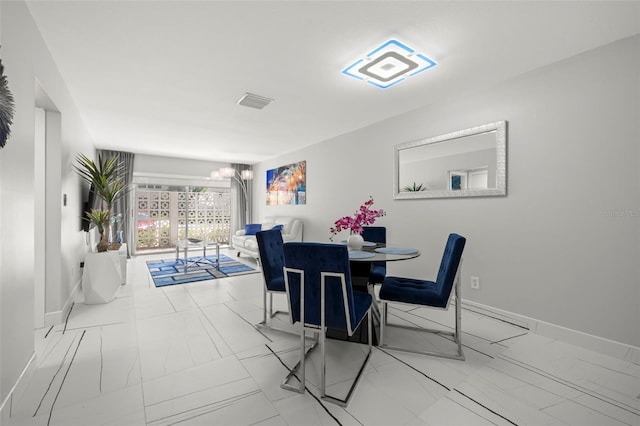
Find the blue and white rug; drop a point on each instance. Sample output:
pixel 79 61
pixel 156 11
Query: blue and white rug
pixel 172 271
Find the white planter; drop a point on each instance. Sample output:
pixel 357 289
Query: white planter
pixel 102 276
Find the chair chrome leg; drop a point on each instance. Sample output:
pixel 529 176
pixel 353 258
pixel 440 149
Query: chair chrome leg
pixel 300 366
pixel 323 364
pixel 370 327
pixel 345 402
pixel 271 314
pixel 383 322
pixel 264 306
pixel 267 315
pixel 458 336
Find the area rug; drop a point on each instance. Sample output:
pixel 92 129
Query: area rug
pixel 171 271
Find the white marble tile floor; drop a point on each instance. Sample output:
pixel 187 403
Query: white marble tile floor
pixel 191 355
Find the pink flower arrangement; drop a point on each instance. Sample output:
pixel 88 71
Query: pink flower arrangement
pixel 365 215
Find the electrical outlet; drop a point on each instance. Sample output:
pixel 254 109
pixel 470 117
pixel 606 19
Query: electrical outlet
pixel 475 283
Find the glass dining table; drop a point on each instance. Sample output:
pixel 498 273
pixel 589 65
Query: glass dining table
pixel 360 263
pixel 361 260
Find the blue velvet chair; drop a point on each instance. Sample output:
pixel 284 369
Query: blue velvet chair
pixel 318 282
pixel 271 259
pixel 428 293
pixel 376 234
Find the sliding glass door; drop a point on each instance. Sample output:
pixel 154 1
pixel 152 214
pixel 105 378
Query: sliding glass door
pixel 165 214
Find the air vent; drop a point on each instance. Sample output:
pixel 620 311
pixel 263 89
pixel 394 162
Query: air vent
pixel 254 101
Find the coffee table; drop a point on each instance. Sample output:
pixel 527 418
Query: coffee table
pixel 192 243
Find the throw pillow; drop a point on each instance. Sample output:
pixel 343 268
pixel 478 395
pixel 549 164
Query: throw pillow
pixel 278 227
pixel 252 228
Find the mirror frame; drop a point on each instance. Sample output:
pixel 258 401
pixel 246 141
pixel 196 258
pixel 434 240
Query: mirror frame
pixel 499 127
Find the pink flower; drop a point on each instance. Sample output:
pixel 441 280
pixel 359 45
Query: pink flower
pixel 365 215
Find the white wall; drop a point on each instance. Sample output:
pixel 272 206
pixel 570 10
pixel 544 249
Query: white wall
pixel 563 245
pixel 26 59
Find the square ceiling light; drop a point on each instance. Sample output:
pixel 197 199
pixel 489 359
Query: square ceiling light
pixel 389 64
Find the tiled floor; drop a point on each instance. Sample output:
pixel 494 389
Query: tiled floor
pixel 189 354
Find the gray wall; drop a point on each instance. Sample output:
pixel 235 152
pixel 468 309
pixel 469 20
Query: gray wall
pixel 26 59
pixel 563 245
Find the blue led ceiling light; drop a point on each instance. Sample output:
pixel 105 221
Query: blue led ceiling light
pixel 389 64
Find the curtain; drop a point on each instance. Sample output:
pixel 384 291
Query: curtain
pixel 241 211
pixel 122 207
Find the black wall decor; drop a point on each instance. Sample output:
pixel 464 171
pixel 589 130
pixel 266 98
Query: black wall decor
pixel 6 108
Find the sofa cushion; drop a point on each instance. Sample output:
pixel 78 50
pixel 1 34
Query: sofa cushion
pixel 267 224
pixel 252 228
pixel 285 221
pixel 251 244
pixel 246 243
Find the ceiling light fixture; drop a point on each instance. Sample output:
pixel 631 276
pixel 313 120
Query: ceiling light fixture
pixel 389 64
pixel 254 101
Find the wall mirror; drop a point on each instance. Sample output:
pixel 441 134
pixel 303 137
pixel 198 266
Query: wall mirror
pixel 466 163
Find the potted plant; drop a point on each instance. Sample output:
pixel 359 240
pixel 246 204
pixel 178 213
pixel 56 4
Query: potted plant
pixel 416 187
pixel 106 177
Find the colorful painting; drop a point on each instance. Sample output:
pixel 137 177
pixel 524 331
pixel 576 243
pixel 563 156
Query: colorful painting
pixel 287 184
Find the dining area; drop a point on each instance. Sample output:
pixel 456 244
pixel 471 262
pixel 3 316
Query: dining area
pixel 338 295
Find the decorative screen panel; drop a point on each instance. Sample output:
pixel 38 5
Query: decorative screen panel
pixel 166 216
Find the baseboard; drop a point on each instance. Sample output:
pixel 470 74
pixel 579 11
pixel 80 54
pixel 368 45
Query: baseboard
pixel 58 317
pixel 588 341
pixel 18 388
pixel 51 318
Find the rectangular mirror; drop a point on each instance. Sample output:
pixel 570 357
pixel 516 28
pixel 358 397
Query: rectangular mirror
pixel 466 163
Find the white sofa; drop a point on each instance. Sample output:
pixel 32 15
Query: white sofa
pixel 247 244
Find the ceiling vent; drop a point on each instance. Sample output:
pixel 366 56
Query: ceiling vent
pixel 254 101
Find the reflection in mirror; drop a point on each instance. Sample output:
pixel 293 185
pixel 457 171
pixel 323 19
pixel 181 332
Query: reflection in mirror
pixel 467 163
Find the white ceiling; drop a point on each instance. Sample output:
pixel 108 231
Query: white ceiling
pixel 163 77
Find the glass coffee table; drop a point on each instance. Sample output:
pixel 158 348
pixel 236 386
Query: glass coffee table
pixel 197 244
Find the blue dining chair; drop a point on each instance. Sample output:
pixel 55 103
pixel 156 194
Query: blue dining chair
pixel 271 259
pixel 376 234
pixel 429 293
pixel 318 282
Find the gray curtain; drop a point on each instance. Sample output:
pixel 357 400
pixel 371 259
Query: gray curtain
pixel 241 211
pixel 122 207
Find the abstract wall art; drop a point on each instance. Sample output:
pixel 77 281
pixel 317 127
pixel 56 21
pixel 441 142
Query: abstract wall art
pixel 287 184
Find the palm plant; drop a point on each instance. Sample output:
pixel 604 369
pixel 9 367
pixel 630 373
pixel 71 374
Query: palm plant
pixel 106 177
pixel 415 187
pixel 98 218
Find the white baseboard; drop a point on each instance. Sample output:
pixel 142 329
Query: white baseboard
pixel 588 341
pixel 51 318
pixel 58 317
pixel 17 390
